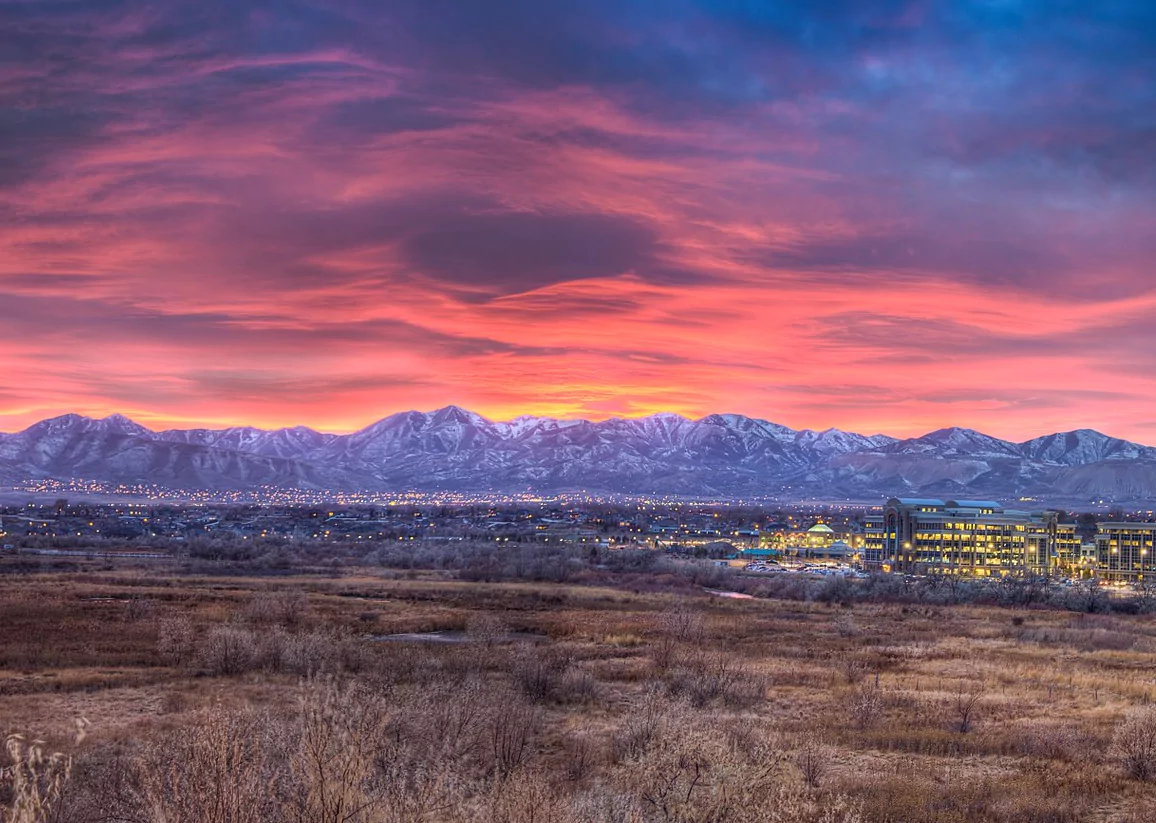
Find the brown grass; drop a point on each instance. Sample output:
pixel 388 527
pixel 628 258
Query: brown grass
pixel 247 699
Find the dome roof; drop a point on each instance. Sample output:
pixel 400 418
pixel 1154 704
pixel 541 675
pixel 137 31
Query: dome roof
pixel 820 528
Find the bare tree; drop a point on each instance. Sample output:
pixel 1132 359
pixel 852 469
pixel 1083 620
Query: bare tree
pixel 965 705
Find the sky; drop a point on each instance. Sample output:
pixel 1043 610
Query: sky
pixel 883 216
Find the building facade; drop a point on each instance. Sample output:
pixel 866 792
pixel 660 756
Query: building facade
pixel 1124 551
pixel 975 537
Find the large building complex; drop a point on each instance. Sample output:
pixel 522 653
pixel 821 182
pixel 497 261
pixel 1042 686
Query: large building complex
pixel 976 537
pixel 1124 551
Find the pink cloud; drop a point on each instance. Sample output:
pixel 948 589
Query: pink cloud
pixel 276 251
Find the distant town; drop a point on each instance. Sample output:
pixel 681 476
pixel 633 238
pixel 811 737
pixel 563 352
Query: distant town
pixel 922 536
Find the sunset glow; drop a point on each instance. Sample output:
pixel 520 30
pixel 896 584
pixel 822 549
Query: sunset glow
pixel 891 217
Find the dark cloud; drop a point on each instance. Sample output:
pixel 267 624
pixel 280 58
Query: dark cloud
pixel 31 137
pixel 75 321
pixel 355 121
pixel 469 245
pixel 990 259
pixel 680 54
pixel 511 252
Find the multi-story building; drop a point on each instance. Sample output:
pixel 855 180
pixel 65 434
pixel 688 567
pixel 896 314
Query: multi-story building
pixel 1125 552
pixel 871 540
pixel 1070 551
pixel 976 537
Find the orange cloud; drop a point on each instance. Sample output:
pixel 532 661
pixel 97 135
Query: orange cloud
pixel 324 236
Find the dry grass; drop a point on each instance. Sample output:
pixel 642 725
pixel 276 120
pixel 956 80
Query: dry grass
pixel 247 699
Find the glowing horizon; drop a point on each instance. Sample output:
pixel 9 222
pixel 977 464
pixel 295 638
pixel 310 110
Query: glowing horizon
pixel 884 217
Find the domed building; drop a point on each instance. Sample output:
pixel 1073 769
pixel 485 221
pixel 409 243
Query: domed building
pixel 819 537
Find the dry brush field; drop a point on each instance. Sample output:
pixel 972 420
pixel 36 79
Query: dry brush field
pixel 128 695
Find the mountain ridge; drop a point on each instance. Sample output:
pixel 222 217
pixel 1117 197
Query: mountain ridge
pixel 452 448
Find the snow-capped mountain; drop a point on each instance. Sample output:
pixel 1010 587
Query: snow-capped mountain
pixel 453 448
pixel 114 449
pixel 288 443
pixel 955 441
pixel 1078 448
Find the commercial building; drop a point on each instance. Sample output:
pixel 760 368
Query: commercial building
pixel 819 542
pixel 1124 551
pixel 976 537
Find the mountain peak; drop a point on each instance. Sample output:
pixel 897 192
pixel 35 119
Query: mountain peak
pixel 958 434
pixel 78 424
pixel 62 422
pixel 955 440
pixel 951 432
pixel 1082 446
pixel 118 422
pixel 457 414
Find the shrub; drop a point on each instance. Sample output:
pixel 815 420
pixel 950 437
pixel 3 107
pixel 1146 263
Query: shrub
pixel 866 704
pixel 215 771
pixel 540 673
pixel 512 727
pixel 1135 745
pixel 1060 742
pixel 845 625
pixel 582 755
pixel 643 721
pixel 486 629
pixel 526 797
pixel 813 761
pixel 139 608
pixel 676 627
pixel 310 653
pixel 176 640
pixel 691 773
pixel 836 589
pixel 715 675
pixel 283 608
pixel 578 686
pixel 228 650
pixel 342 731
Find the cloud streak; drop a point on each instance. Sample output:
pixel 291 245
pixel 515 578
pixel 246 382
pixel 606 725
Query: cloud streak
pixel 887 216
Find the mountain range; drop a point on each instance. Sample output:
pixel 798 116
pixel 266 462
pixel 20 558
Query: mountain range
pixel 455 449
